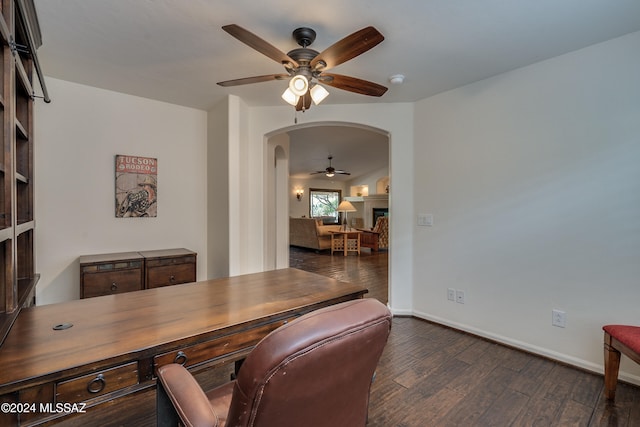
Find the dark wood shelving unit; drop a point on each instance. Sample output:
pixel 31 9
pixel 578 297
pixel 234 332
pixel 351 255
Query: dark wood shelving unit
pixel 17 223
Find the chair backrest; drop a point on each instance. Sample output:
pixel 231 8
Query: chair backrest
pixel 314 371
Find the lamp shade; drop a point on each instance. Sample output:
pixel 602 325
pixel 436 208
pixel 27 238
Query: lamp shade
pixel 346 206
pixel 290 97
pixel 318 93
pixel 299 85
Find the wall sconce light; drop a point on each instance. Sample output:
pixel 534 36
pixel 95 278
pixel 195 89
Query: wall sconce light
pixel 299 193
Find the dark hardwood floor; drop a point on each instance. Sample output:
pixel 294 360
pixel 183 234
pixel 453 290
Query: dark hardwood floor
pixel 370 269
pixel 431 375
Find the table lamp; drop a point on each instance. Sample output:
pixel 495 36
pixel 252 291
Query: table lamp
pixel 345 206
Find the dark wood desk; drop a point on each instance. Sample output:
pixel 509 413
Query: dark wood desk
pixel 116 343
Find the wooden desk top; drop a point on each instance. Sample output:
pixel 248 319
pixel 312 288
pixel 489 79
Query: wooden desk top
pixel 113 329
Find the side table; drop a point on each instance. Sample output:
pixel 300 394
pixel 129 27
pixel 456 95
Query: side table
pixel 345 241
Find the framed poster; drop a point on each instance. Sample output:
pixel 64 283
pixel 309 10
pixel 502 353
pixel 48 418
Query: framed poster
pixel 136 186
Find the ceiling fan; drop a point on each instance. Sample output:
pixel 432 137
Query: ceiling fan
pixel 331 171
pixel 306 67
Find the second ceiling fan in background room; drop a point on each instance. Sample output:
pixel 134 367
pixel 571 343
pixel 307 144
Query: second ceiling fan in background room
pixel 330 171
pixel 306 67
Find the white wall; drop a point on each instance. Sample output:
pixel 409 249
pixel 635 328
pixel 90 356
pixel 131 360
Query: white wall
pixel 77 138
pixel 533 179
pixel 218 191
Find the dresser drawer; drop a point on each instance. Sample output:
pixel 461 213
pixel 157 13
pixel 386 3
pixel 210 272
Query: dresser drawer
pixel 172 274
pixel 198 354
pixel 96 384
pixel 111 282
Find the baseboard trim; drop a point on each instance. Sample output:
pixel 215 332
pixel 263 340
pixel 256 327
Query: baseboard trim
pixel 520 345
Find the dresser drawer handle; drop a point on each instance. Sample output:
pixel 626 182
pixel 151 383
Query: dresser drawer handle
pixel 181 358
pixel 172 278
pixel 97 384
pixel 114 287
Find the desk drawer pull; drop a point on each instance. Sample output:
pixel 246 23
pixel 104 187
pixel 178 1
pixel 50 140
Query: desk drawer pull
pixel 181 358
pixel 114 287
pixel 97 384
pixel 172 278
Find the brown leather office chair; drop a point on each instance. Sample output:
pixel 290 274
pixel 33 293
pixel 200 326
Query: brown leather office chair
pixel 315 371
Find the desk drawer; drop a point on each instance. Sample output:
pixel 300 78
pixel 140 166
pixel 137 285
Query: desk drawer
pixel 174 274
pixel 96 384
pixel 197 354
pixel 111 282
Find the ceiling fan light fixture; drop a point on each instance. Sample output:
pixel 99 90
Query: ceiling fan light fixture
pixel 318 94
pixel 290 97
pixel 299 85
pixel 330 174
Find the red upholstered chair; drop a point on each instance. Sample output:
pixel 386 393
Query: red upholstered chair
pixel 315 371
pixel 618 339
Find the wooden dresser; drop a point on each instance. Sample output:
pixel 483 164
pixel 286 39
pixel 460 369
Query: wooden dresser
pixel 107 274
pixel 101 354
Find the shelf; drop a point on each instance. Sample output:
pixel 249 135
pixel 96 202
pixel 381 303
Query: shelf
pixel 17 226
pixel 22 132
pixel 355 199
pixel 25 226
pixel 6 234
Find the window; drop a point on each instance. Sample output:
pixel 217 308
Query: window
pixel 324 204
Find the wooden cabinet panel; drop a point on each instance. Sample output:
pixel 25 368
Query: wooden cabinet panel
pixel 107 274
pixel 96 384
pixel 167 267
pixel 113 282
pixel 170 275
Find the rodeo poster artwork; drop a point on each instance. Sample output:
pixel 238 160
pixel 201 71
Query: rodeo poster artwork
pixel 136 186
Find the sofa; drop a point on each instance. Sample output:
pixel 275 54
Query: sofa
pixel 310 233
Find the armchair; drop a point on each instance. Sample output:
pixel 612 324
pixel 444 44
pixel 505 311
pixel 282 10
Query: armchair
pixel 315 371
pixel 378 237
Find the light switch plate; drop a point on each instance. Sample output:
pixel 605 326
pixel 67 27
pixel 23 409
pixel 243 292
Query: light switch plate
pixel 425 220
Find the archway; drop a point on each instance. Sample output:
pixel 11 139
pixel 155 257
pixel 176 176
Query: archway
pixel 281 194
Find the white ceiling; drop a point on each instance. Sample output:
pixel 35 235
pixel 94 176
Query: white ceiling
pixel 176 51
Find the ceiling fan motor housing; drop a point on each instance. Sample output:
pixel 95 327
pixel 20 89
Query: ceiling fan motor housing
pixel 304 36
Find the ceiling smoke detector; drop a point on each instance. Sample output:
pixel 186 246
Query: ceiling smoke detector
pixel 396 79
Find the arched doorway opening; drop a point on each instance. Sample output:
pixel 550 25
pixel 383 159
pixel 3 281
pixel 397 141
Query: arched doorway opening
pixel 288 175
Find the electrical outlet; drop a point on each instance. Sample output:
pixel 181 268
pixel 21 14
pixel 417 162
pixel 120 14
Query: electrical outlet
pixel 558 318
pixel 460 297
pixel 451 294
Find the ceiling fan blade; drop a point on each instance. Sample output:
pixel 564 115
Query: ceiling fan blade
pixel 348 48
pixel 259 44
pixel 342 172
pixel 256 79
pixel 317 172
pixel 304 103
pixel 352 84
